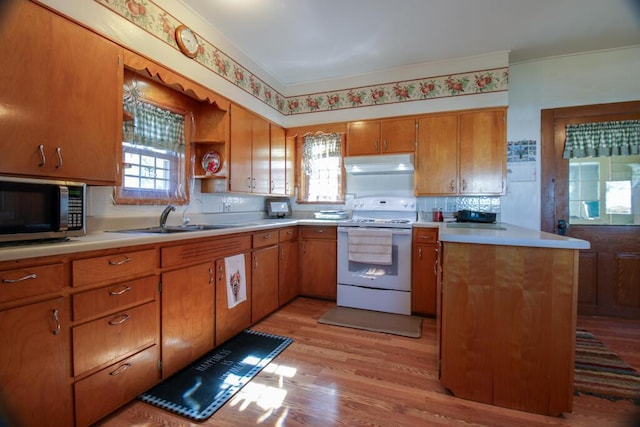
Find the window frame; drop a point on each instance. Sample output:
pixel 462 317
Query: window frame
pixel 302 177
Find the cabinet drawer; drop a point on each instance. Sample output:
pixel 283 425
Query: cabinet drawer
pixel 265 238
pixel 205 251
pixel 30 281
pixel 111 298
pixel 287 234
pixel 122 382
pixel 320 232
pixel 116 266
pixel 106 339
pixel 425 235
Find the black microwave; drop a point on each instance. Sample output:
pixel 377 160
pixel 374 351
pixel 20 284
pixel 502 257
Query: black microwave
pixel 40 209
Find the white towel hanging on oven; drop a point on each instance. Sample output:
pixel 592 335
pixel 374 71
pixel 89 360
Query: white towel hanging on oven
pixel 235 280
pixel 370 246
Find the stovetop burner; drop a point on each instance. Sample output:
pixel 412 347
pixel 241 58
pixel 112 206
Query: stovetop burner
pixel 382 211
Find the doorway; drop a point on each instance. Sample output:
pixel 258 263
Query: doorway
pixel 609 276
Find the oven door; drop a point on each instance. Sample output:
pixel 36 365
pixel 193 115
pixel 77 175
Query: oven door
pixel 393 276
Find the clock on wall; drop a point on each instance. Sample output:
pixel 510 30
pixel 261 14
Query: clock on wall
pixel 187 41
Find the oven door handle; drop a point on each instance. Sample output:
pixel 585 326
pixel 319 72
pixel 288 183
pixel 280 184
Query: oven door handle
pixel 396 231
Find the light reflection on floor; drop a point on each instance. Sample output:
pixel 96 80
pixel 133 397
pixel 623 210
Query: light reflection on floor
pixel 268 398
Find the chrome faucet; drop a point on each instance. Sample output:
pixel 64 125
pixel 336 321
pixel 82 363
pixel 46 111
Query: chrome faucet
pixel 165 213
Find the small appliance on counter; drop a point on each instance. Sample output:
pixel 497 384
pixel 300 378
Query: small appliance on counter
pixel 278 207
pixel 473 216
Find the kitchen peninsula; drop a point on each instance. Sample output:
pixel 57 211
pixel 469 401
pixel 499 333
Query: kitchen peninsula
pixel 508 316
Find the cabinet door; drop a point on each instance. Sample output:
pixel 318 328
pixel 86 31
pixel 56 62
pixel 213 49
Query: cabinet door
pixel 290 165
pixel 231 321
pixel 483 147
pixel 24 86
pixel 423 290
pixel 278 161
pixel 437 158
pixel 261 155
pixel 86 79
pixel 288 287
pixel 35 369
pixel 318 271
pixel 264 282
pixel 240 150
pixel 398 136
pixel 363 138
pixel 188 321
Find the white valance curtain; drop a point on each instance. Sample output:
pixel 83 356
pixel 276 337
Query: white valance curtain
pixel 603 139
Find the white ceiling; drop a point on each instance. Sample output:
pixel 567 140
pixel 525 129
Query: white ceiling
pixel 302 41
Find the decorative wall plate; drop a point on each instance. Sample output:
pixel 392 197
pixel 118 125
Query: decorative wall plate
pixel 211 162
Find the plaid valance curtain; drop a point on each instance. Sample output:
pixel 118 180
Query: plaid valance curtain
pixel 153 127
pixel 317 147
pixel 603 139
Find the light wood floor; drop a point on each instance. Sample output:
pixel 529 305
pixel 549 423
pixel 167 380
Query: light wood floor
pixel 334 376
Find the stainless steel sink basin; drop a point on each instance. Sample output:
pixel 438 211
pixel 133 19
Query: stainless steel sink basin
pixel 176 229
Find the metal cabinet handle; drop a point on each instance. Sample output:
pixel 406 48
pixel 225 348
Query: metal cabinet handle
pixel 120 369
pixel 21 279
pixel 56 319
pixel 375 146
pixel 59 154
pixel 255 262
pixel 119 320
pixel 464 184
pixel 120 292
pixel 385 147
pixel 125 260
pixel 320 230
pixel 253 183
pixel 43 158
pixel 267 236
pixel 281 252
pixel 220 272
pixel 419 253
pixel 452 186
pixel 273 185
pixel 211 276
pixel 248 182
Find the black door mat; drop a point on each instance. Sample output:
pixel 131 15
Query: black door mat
pixel 203 387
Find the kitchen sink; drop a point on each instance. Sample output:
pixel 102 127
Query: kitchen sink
pixel 176 228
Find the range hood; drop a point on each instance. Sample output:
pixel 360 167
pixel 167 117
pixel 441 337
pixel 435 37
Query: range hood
pixel 379 164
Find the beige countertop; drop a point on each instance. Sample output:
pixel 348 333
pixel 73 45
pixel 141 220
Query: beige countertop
pixel 498 234
pixel 502 234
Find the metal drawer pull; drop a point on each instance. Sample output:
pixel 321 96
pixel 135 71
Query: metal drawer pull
pixel 120 369
pixel 320 230
pixel 43 158
pixel 59 154
pixel 56 331
pixel 120 319
pixel 120 292
pixel 23 278
pixel 267 236
pixel 125 260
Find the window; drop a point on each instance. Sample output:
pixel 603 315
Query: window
pixel 321 177
pixel 154 152
pixel 604 190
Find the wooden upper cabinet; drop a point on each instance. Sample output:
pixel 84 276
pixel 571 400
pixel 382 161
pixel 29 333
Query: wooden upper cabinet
pixel 483 148
pixel 250 152
pixel 290 165
pixel 278 161
pixel 462 153
pixel 436 170
pixel 383 137
pixel 63 87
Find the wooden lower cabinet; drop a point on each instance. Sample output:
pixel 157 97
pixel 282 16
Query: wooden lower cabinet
pixel 318 262
pixel 114 386
pixel 288 286
pixel 35 368
pixel 424 271
pixel 509 324
pixel 188 316
pixel 264 275
pixel 231 321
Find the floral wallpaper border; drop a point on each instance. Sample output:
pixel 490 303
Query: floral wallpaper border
pixel 159 23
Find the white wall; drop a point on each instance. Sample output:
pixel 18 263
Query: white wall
pixel 592 78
